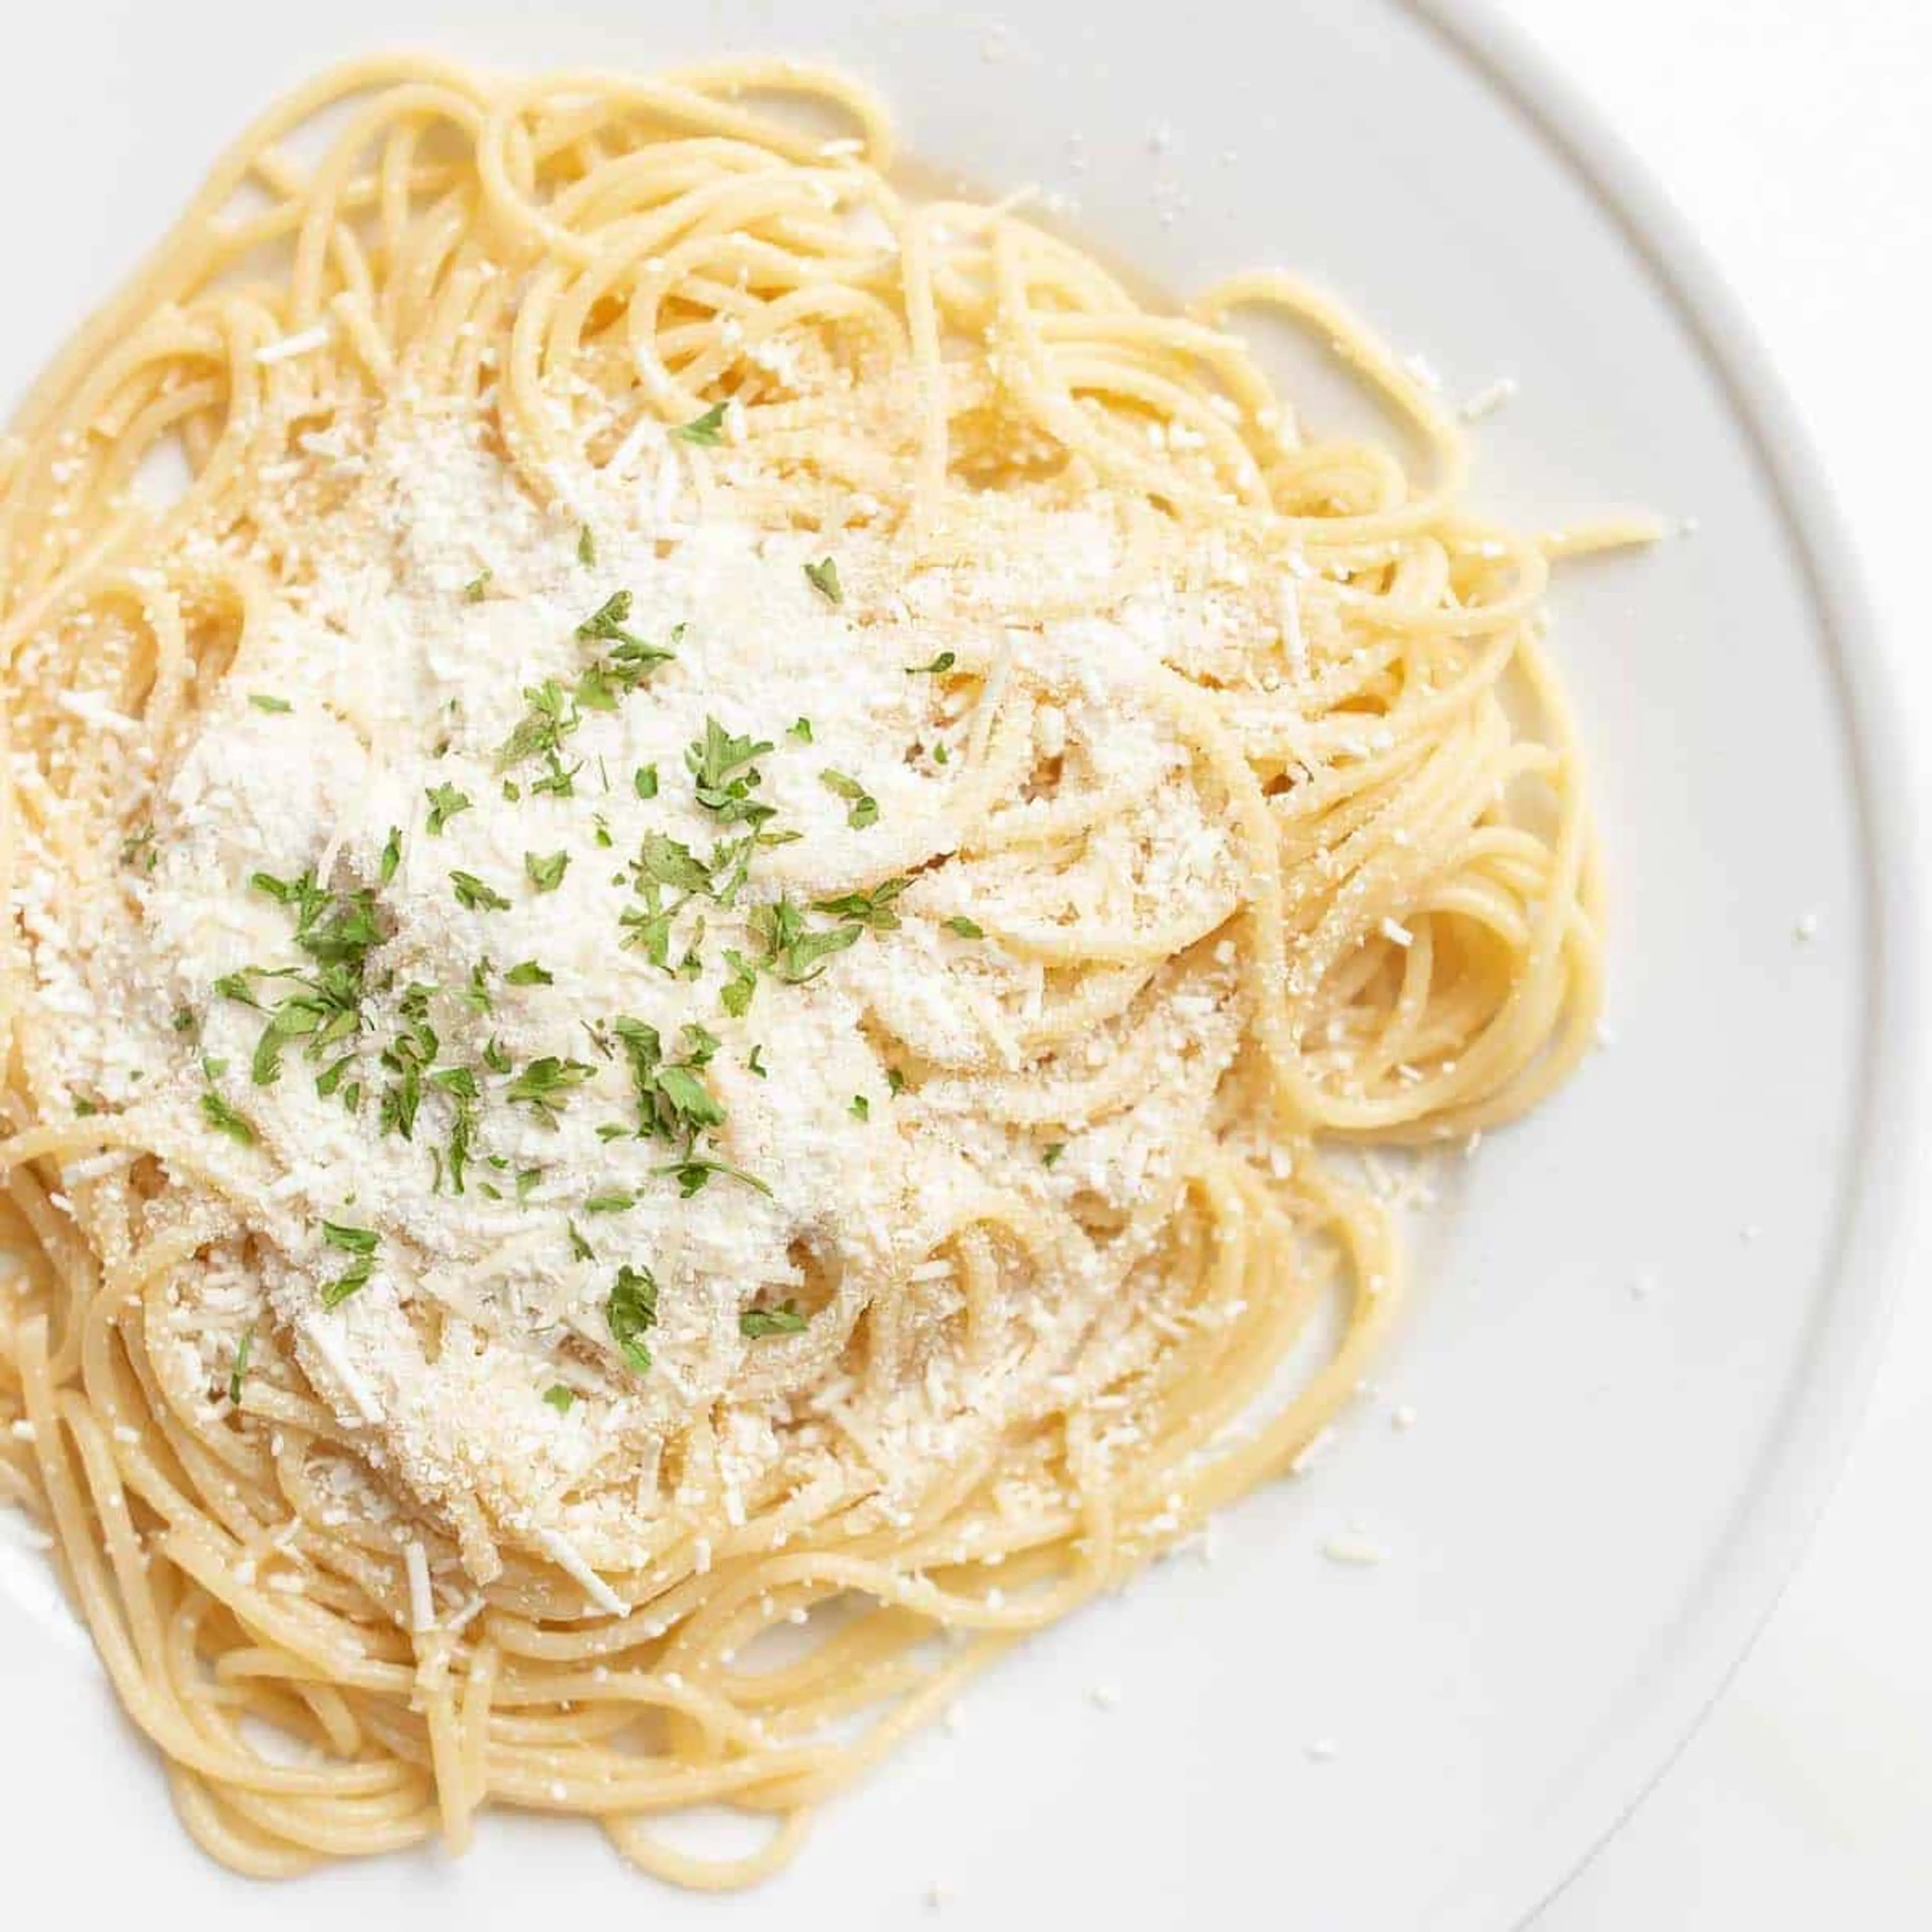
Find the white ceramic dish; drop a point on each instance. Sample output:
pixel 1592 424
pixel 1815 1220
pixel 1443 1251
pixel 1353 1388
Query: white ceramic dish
pixel 1600 1492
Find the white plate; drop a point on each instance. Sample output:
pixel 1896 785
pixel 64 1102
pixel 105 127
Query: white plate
pixel 1600 1493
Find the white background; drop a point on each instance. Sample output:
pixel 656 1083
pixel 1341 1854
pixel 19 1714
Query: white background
pixel 1797 140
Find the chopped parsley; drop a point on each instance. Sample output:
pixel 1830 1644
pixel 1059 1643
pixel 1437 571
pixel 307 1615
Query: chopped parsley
pixel 873 910
pixel 672 863
pixel 692 1174
pixel 793 951
pixel 861 1109
pixel 587 548
pixel 266 701
pixel 864 808
pixel 724 776
pixel 559 1398
pixel 1050 1154
pixel 644 781
pixel 137 849
pixel 549 719
pixel 392 854
pixel 939 667
pixel 474 591
pixel 544 1083
pixel 823 578
pixel 630 1311
pixel 799 728
pixel 628 660
pixel 475 896
pixel 445 802
pixel 707 431
pixel 742 983
pixel 784 1319
pixel 965 927
pixel 545 870
pixel 239 1370
pixel 220 1116
pixel 528 973
pixel 359 1243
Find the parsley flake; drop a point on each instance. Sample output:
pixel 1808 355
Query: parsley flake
pixel 445 802
pixel 864 808
pixel 475 896
pixel 545 870
pixel 784 1319
pixel 630 1311
pixel 707 431
pixel 823 578
pixel 220 1116
pixel 543 1083
pixel 239 1370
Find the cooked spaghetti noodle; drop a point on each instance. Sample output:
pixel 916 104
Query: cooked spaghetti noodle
pixel 712 873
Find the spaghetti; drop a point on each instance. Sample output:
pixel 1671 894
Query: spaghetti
pixel 711 870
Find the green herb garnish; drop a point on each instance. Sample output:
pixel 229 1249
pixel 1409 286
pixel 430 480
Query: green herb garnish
pixel 864 808
pixel 631 1310
pixel 475 896
pixel 965 927
pixel 238 1370
pixel 264 701
pixel 724 776
pixel 707 430
pixel 445 802
pixel 736 995
pixel 672 863
pixel 938 668
pixel 528 973
pixel 545 870
pixel 544 1083
pixel 784 1319
pixel 220 1116
pixel 823 578
pixel 873 910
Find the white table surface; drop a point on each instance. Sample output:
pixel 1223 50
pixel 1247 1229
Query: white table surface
pixel 1795 139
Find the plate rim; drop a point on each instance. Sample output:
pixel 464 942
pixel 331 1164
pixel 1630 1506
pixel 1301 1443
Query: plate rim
pixel 1746 1576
